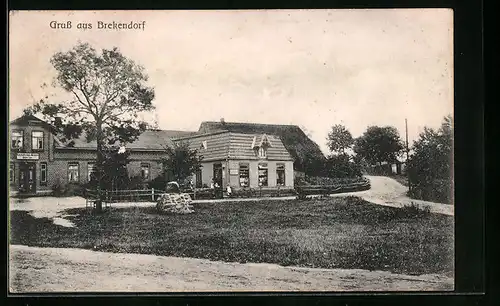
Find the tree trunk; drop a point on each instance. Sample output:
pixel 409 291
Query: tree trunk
pixel 99 168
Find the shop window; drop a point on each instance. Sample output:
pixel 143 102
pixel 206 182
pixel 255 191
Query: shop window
pixel 280 174
pixel 73 173
pixel 90 171
pixel 244 175
pixel 145 171
pixel 37 140
pixel 17 139
pixel 11 173
pixel 263 175
pixel 43 174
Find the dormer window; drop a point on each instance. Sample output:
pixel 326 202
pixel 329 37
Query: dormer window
pixel 260 144
pixel 17 139
pixel 204 145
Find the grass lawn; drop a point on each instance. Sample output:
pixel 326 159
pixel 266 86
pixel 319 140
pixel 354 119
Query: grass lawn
pixel 328 233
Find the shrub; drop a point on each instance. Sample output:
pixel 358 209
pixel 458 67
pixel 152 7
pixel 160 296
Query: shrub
pixel 67 190
pixel 204 193
pixel 341 166
pixel 300 181
pixel 413 210
pixel 159 183
pixel 73 190
pixel 136 183
pixel 58 190
pixel 435 190
pixel 430 166
pixel 301 195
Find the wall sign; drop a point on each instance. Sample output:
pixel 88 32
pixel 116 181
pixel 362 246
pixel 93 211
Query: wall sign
pixel 28 156
pixel 233 171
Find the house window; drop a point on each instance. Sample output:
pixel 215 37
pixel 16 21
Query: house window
pixel 73 172
pixel 11 173
pixel 145 171
pixel 244 175
pixel 90 171
pixel 17 139
pixel 43 174
pixel 37 140
pixel 263 175
pixel 280 174
pixel 262 152
pixel 198 178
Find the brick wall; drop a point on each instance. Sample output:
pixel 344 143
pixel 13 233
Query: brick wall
pixel 44 155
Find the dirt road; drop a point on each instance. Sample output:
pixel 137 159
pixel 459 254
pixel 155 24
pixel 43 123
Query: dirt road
pixel 53 207
pixel 64 270
pixel 389 192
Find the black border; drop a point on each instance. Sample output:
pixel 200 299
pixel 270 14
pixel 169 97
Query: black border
pixel 469 157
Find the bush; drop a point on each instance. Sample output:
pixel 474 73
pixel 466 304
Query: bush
pixel 341 166
pixel 58 190
pixel 204 193
pixel 136 183
pixel 159 183
pixel 68 190
pixel 436 190
pixel 430 166
pixel 413 210
pixel 301 181
pixel 317 180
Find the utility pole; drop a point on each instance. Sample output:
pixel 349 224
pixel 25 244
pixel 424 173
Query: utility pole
pixel 407 154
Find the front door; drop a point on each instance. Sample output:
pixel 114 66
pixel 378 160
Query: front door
pixel 27 178
pixel 218 180
pixel 218 174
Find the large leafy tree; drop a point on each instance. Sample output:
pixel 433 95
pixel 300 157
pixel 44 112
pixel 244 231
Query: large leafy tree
pixel 431 163
pixel 339 139
pixel 181 161
pixel 378 144
pixel 108 90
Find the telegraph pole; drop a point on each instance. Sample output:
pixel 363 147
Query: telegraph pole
pixel 407 154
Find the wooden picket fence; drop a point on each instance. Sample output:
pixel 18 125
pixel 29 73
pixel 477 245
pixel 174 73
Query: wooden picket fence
pixel 115 196
pixel 332 189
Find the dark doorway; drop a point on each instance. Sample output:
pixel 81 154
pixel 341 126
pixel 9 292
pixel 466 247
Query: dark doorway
pixel 218 180
pixel 27 178
pixel 199 182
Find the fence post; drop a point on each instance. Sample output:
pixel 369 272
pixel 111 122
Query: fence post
pixel 153 194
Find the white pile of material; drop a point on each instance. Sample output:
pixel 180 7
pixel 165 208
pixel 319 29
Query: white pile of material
pixel 175 203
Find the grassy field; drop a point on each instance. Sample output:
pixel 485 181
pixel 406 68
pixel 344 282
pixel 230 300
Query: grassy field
pixel 328 233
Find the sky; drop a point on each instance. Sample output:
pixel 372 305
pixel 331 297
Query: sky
pixel 311 68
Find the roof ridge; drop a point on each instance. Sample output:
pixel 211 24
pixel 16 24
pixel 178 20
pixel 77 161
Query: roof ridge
pixel 249 123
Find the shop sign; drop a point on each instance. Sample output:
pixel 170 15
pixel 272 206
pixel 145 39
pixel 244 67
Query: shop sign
pixel 28 156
